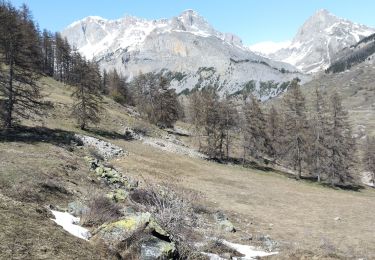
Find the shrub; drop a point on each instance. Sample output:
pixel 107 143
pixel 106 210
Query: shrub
pixel 142 128
pixel 173 209
pixel 100 210
pixel 53 187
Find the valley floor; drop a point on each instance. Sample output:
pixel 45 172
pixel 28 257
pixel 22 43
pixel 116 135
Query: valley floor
pixel 300 216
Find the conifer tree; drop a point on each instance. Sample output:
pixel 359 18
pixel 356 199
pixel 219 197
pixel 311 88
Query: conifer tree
pixel 295 127
pixel 196 112
pixel 19 51
pixel 117 88
pixel 167 107
pixel 48 53
pixel 255 134
pixel 62 58
pixel 104 83
pixel 155 100
pixel 369 158
pixel 211 122
pixel 275 132
pixel 341 144
pixel 229 119
pixel 214 119
pixel 320 131
pixel 87 105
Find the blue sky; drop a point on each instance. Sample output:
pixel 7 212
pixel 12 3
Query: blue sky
pixel 253 20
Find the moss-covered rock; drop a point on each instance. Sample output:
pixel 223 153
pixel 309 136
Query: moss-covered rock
pixel 155 241
pixel 155 248
pixel 118 195
pixel 99 171
pixel 227 226
pixel 126 224
pixel 168 249
pixel 154 226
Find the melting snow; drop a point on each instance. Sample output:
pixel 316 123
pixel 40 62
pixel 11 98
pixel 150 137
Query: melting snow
pixel 367 179
pixel 213 256
pixel 249 251
pixel 68 222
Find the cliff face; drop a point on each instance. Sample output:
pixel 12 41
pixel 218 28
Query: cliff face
pixel 186 44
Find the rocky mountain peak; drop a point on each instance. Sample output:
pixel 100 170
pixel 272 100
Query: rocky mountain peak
pixel 316 24
pixel 322 14
pixel 193 21
pixel 318 40
pixel 190 15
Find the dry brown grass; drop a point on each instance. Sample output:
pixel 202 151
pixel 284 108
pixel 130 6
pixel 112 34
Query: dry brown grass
pixel 302 214
pixel 299 215
pixel 99 210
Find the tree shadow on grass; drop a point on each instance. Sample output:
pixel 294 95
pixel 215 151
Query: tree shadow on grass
pixel 38 135
pixel 265 167
pixel 28 134
pixel 105 133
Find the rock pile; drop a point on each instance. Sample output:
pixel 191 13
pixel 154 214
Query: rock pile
pixel 105 149
pixel 111 176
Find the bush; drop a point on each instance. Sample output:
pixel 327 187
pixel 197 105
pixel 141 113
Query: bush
pixel 172 209
pixel 53 187
pixel 100 210
pixel 142 129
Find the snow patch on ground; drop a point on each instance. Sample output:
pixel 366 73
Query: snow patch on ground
pixel 367 179
pixel 68 222
pixel 213 256
pixel 250 252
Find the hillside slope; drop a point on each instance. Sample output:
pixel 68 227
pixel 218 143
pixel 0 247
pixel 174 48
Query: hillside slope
pixel 357 91
pixel 363 51
pixel 267 209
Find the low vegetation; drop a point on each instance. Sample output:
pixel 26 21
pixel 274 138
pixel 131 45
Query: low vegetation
pixel 100 210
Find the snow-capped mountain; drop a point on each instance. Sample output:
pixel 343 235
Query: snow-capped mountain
pixel 186 45
pixel 317 42
pixel 96 35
